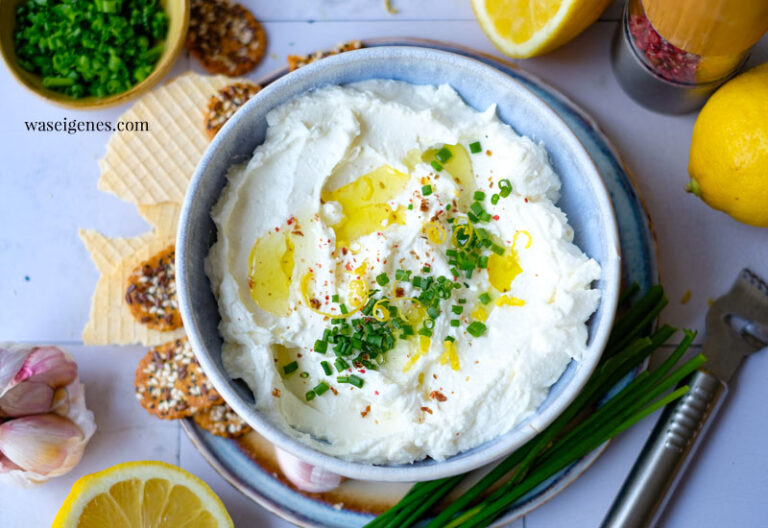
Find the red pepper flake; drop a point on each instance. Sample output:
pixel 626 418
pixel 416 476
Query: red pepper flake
pixel 437 395
pixel 348 267
pixel 488 153
pixel 344 251
pixel 366 411
pixel 426 409
pixel 526 200
pixel 496 217
pixel 376 393
pixel 334 391
pixel 290 220
pixel 361 371
pixel 276 392
pixel 277 229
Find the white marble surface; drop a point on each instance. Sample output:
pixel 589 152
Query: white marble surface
pixel 48 190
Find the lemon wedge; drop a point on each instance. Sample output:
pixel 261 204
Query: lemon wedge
pixel 142 495
pixel 526 28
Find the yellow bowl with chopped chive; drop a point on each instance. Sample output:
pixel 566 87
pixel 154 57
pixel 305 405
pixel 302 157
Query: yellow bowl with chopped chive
pixel 101 53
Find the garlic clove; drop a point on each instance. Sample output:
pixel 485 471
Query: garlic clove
pixel 49 365
pixel 26 398
pixel 45 444
pixel 304 476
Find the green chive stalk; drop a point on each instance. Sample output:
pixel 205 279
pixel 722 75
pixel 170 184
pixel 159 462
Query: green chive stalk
pixel 571 436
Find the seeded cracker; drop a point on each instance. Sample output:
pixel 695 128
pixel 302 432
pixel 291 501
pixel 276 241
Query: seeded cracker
pixel 151 292
pixel 225 37
pixel 170 383
pixel 297 61
pixel 225 103
pixel 152 167
pixel 111 321
pixel 221 420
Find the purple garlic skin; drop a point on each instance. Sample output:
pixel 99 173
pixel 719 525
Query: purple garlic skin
pixel 44 423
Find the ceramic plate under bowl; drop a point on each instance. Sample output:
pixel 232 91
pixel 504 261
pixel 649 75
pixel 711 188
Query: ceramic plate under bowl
pixel 583 198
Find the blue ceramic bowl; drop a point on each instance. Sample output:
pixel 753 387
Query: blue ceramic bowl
pixel 584 199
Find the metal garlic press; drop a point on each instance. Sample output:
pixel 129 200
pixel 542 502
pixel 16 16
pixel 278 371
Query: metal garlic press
pixel 737 325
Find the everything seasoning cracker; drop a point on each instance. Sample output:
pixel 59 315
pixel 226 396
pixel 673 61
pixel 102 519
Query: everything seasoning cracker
pixel 151 292
pixel 225 103
pixel 170 383
pixel 225 37
pixel 221 420
pixel 297 61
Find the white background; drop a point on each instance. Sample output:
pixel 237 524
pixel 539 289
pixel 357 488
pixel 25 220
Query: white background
pixel 48 190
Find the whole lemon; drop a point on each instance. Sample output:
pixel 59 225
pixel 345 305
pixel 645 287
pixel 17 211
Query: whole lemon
pixel 728 162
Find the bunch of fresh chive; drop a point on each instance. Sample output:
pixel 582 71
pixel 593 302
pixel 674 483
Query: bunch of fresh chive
pixel 90 47
pixel 571 436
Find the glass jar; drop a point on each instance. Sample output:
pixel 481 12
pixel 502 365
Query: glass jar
pixel 670 56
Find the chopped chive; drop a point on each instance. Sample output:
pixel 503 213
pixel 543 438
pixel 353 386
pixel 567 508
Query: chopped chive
pixel 476 328
pixel 462 301
pixel 426 190
pixel 326 367
pixel 475 147
pixel 454 272
pixel 479 196
pixel 447 207
pixel 304 374
pixel 485 298
pixel 290 367
pixel 482 262
pixel 436 166
pixel 497 249
pixel 321 346
pixel 321 388
pixel 455 323
pixel 457 309
pixel 477 208
pixel 416 281
pixel 335 297
pixel 342 379
pixel 425 332
pixel 341 365
pixel 426 269
pixel 337 320
pixel 382 279
pixel 343 308
pixel 443 155
pixel 472 217
pixel 505 188
pixel 495 199
pixel 410 207
pixel 449 338
pixel 400 275
pixel 356 381
pixel 310 395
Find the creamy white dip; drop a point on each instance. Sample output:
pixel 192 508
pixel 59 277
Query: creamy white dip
pixel 422 399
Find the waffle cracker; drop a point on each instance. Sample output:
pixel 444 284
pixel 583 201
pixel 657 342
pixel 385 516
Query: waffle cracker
pixel 170 383
pixel 110 319
pixel 155 166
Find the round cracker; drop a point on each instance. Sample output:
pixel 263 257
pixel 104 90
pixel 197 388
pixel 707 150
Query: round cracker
pixel 225 37
pixel 221 420
pixel 170 383
pixel 151 292
pixel 225 103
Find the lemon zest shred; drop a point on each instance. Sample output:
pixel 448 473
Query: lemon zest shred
pixel 480 314
pixel 305 295
pixel 451 355
pixel 435 232
pixel 527 243
pixel 508 300
pixel 462 227
pixel 380 312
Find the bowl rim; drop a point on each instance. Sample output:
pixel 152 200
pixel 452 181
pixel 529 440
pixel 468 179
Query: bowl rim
pixel 499 446
pixel 162 67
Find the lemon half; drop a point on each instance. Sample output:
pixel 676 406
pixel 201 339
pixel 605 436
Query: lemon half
pixel 525 28
pixel 142 495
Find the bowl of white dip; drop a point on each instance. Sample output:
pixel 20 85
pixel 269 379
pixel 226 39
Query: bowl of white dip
pixel 397 264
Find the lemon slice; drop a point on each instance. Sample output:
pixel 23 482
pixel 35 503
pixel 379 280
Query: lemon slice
pixel 525 28
pixel 142 495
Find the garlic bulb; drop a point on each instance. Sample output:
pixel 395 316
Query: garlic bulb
pixel 47 424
